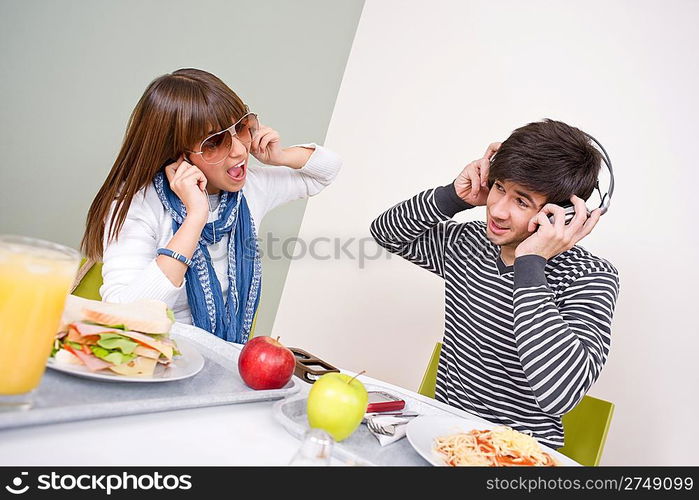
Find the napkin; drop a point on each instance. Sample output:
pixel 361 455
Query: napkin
pixel 398 423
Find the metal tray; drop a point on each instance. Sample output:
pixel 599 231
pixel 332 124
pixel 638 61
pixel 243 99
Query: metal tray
pixel 362 447
pixel 63 398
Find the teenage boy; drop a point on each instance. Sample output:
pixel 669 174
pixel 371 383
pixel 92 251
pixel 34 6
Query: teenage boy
pixel 528 311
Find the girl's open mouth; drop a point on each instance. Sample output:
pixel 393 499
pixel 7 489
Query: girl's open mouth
pixel 237 172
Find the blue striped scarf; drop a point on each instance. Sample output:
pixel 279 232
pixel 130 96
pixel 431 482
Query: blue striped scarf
pixel 230 320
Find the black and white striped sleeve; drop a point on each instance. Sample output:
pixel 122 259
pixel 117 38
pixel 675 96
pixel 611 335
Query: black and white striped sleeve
pixel 417 228
pixel 562 342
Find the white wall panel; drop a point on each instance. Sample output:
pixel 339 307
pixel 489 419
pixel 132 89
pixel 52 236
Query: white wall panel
pixel 427 87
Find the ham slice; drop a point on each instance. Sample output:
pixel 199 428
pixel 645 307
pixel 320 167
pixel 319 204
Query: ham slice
pixel 92 362
pixel 85 329
pixel 74 336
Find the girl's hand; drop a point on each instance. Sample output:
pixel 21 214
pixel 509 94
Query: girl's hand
pixel 266 147
pixel 189 184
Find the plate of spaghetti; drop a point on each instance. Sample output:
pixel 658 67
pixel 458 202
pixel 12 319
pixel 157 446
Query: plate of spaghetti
pixel 454 441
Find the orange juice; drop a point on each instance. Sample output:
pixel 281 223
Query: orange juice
pixel 35 278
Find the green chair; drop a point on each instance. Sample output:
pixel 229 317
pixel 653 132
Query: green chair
pixel 429 379
pixel 585 426
pixel 89 286
pixel 254 324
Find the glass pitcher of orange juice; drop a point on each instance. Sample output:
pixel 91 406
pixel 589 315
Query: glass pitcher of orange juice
pixel 35 278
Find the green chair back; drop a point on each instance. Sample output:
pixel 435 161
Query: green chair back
pixel 585 427
pixel 254 324
pixel 89 286
pixel 429 379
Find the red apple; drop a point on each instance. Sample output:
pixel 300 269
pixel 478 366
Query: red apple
pixel 264 363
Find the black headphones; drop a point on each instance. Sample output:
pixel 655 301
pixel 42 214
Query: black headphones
pixel 606 198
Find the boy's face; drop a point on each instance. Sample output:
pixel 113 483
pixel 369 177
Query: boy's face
pixel 509 208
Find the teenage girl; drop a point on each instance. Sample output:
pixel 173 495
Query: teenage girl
pixel 176 219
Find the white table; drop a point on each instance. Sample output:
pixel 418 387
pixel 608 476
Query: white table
pixel 239 434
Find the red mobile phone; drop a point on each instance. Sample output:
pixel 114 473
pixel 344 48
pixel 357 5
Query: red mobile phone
pixel 382 401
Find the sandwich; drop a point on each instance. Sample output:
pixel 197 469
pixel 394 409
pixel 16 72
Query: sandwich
pixel 130 339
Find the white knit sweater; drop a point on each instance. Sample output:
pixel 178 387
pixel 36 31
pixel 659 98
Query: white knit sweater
pixel 130 271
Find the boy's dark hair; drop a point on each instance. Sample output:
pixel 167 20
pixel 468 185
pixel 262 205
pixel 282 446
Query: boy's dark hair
pixel 550 158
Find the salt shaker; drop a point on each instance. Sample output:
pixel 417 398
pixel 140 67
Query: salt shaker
pixel 315 449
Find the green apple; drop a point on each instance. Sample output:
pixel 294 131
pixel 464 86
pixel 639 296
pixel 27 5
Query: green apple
pixel 337 403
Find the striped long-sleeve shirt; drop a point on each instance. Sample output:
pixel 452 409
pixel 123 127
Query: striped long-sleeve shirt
pixel 522 343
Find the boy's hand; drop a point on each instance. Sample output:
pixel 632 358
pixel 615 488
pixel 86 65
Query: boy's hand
pixel 551 239
pixel 472 183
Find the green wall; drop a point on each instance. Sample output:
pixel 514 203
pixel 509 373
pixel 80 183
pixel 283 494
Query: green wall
pixel 73 70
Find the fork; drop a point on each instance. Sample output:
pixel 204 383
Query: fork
pixel 387 429
pixel 381 429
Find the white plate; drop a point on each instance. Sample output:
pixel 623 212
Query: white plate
pixel 189 364
pixel 422 431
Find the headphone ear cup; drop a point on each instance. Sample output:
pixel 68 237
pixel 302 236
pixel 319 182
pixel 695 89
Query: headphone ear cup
pixel 569 213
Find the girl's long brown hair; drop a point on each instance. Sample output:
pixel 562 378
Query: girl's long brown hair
pixel 174 114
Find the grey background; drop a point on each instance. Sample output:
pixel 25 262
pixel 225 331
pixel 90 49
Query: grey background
pixel 73 70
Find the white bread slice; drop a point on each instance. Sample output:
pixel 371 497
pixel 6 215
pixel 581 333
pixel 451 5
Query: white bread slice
pixel 145 315
pixel 72 311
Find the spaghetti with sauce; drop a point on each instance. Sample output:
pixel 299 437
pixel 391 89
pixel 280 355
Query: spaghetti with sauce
pixel 498 447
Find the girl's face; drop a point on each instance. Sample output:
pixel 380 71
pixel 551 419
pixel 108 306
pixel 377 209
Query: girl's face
pixel 228 174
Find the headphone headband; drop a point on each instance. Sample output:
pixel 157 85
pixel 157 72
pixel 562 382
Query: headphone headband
pixel 606 199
